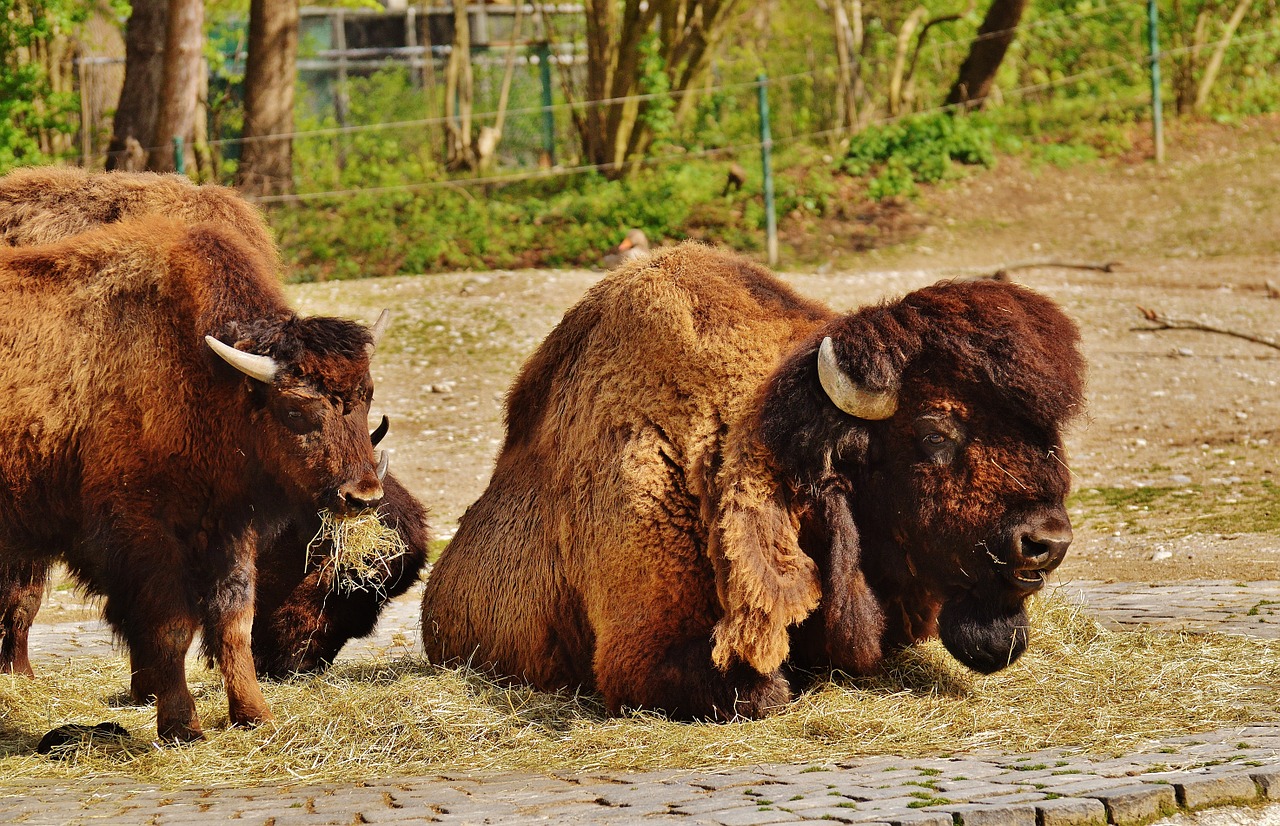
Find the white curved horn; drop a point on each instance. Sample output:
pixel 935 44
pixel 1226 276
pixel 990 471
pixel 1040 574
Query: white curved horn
pixel 262 368
pixel 380 327
pixel 384 461
pixel 846 394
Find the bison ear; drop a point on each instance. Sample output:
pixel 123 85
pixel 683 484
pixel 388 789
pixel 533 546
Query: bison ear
pixel 852 619
pixel 765 581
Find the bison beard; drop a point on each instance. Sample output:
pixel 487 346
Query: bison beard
pixel 710 483
pixel 299 624
pixel 983 638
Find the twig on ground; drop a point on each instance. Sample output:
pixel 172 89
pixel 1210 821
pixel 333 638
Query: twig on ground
pixel 1002 274
pixel 1164 322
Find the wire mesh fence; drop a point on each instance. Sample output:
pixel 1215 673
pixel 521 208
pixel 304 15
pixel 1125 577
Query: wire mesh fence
pixel 369 114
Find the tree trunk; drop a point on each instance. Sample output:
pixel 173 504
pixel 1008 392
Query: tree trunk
pixel 135 118
pixel 908 28
pixel 458 92
pixel 848 55
pixel 1214 65
pixel 985 55
pixel 266 160
pixel 181 86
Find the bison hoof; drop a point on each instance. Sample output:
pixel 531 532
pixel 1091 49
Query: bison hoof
pixel 769 697
pixel 180 732
pixel 249 718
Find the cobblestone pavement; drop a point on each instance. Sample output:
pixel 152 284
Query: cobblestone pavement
pixel 1055 787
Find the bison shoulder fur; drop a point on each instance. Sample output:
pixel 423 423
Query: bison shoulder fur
pixel 710 484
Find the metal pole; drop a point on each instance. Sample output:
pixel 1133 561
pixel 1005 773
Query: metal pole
pixel 1157 115
pixel 766 159
pixel 179 156
pixel 548 158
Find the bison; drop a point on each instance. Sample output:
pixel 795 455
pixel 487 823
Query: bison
pixel 301 620
pixel 165 413
pixel 711 486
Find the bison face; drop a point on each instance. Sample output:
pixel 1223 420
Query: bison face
pixel 965 501
pixel 312 390
pixel 934 422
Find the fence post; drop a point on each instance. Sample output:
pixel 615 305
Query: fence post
pixel 548 158
pixel 766 160
pixel 1157 115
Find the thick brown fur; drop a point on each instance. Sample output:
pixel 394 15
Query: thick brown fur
pixel 148 464
pixel 39 205
pixel 681 519
pixel 298 626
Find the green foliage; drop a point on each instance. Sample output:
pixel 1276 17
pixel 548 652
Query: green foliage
pixel 658 113
pixel 29 105
pixel 524 225
pixel 922 149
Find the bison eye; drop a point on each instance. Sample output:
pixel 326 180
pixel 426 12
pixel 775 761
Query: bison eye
pixel 301 415
pixel 940 437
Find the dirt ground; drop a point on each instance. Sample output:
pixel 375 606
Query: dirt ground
pixel 1176 459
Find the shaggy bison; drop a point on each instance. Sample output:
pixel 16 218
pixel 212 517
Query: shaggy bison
pixel 301 618
pixel 710 484
pixel 165 412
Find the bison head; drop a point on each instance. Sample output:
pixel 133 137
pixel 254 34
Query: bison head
pixel 309 382
pixel 922 442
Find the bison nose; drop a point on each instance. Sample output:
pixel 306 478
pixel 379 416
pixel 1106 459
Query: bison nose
pixel 358 496
pixel 1042 546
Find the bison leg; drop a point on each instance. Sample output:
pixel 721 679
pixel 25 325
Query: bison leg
pixel 21 588
pixel 159 657
pixel 682 682
pixel 228 637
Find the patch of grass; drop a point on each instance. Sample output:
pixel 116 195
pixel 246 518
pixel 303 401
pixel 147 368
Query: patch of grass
pixel 926 800
pixel 1246 507
pixel 1079 686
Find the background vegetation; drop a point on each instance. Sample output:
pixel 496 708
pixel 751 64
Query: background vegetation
pixel 856 87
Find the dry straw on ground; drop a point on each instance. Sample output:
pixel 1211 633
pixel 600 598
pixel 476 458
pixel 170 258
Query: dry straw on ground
pixel 1078 687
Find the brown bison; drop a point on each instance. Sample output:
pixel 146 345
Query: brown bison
pixel 301 619
pixel 165 412
pixel 711 485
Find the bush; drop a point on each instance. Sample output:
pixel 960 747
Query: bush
pixel 924 149
pixel 549 223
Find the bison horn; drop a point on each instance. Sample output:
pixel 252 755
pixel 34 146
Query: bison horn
pixel 262 368
pixel 846 394
pixel 380 431
pixel 380 327
pixel 384 461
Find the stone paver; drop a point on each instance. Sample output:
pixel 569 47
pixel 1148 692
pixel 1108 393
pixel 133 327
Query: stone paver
pixel 1176 774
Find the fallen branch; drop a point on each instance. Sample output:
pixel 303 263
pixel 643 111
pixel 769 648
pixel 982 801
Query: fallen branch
pixel 1002 274
pixel 1164 322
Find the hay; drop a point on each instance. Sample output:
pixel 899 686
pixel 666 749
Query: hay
pixel 360 549
pixel 1079 687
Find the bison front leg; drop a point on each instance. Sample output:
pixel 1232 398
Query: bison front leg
pixel 21 588
pixel 228 636
pixel 679 679
pixel 158 648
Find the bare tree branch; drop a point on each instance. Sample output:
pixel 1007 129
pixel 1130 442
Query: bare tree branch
pixel 1003 273
pixel 1164 322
